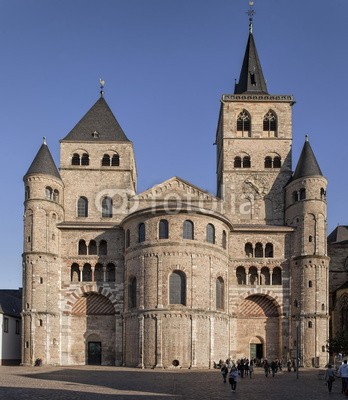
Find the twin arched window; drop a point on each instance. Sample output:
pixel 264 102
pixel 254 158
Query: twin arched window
pixel 242 162
pixel 113 161
pixel 270 124
pixel 273 162
pixel 78 159
pixel 51 194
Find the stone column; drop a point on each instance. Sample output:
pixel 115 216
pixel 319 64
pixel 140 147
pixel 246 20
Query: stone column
pixel 159 361
pixel 141 341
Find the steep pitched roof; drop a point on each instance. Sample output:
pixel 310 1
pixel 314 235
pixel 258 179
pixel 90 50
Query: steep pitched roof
pixel 43 163
pixel 11 302
pixel 99 123
pixel 307 164
pixel 251 77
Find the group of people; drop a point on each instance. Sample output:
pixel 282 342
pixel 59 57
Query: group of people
pixel 232 370
pixel 342 372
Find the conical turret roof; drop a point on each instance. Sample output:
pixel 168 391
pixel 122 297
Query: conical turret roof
pixel 99 123
pixel 43 163
pixel 307 164
pixel 251 78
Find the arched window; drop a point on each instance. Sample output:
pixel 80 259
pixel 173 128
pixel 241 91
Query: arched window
pixel 295 196
pixel 323 307
pixel 248 249
pixel 56 195
pixel 82 248
pixel 87 273
pixel 188 230
pixel 163 229
pixel 132 293
pixel 310 284
pixel 92 248
pixel 110 272
pixel 241 275
pixel 98 273
pixel 177 288
pixel 265 276
pixel 237 162
pixel 115 162
pixel 82 207
pixel 277 276
pixel 277 162
pixel 322 194
pixel 48 193
pixel 258 250
pixel 270 123
pixel 103 248
pixel 243 123
pixel 210 233
pixel 75 159
pixel 224 240
pixel 127 238
pixel 310 324
pixel 268 162
pixel 75 273
pixel 107 207
pixel 269 250
pixel 85 159
pixel 295 303
pixel 246 162
pixel 105 160
pixel 253 276
pixel 302 194
pixel 141 233
pixel 220 289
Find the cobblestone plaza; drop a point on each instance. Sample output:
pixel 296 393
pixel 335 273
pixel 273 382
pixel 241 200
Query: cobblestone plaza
pixel 106 383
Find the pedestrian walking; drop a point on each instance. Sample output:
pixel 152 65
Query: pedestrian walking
pixel 343 373
pixel 224 372
pixel 266 368
pixel 329 377
pixel 233 379
pixel 251 368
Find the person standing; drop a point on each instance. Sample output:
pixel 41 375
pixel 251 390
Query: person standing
pixel 251 368
pixel 224 372
pixel 343 373
pixel 233 379
pixel 329 377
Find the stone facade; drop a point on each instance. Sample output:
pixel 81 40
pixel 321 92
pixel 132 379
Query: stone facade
pixel 175 276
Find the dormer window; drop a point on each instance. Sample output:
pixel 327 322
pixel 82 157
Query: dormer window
pixel 95 135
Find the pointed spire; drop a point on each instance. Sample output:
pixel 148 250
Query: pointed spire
pixel 98 123
pixel 251 78
pixel 43 163
pixel 307 164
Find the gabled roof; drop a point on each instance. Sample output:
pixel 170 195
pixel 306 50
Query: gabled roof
pixel 11 302
pixel 307 164
pixel 43 163
pixel 251 78
pixel 99 123
pixel 338 235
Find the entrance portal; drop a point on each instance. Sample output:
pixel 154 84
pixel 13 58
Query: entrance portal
pixel 94 353
pixel 256 351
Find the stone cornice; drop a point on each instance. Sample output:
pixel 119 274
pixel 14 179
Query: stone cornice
pixel 281 98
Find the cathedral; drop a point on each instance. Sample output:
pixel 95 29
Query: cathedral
pixel 176 277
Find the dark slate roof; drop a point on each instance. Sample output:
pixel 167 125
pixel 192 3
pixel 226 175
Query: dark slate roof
pixel 338 235
pixel 99 123
pixel 11 302
pixel 43 163
pixel 251 78
pixel 307 164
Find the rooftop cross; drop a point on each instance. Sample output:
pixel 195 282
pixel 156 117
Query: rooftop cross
pixel 251 13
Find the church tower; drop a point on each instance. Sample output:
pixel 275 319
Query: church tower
pixel 43 210
pixel 306 213
pixel 253 142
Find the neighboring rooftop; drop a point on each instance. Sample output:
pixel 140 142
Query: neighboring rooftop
pixel 338 235
pixel 11 302
pixel 99 123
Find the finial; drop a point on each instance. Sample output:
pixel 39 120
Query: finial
pixel 102 84
pixel 44 140
pixel 251 13
pixel 307 138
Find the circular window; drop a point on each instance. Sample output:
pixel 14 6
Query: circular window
pixel 175 363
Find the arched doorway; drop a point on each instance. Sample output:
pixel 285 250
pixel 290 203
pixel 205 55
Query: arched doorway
pixel 258 328
pixel 92 330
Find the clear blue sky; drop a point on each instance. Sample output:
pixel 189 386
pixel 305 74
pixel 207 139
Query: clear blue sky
pixel 166 64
